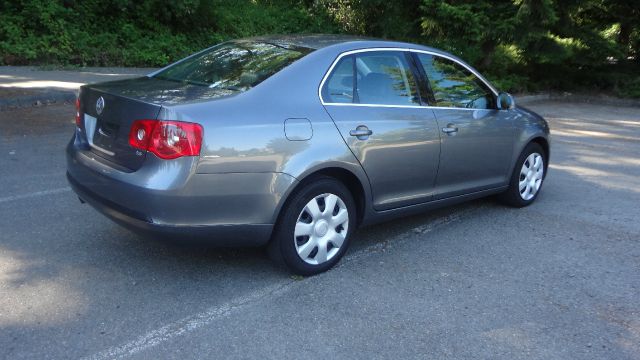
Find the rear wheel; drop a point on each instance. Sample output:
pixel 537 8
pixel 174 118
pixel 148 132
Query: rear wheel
pixel 313 231
pixel 527 178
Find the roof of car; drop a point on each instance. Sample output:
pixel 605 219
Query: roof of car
pixel 312 41
pixel 345 42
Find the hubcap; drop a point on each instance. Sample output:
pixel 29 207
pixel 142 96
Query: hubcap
pixel 321 229
pixel 531 176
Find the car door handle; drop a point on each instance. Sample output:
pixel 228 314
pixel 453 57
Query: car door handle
pixel 450 129
pixel 361 132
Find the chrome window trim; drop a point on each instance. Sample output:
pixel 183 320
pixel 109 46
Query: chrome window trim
pixel 407 106
pixel 350 52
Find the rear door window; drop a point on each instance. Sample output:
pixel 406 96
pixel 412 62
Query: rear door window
pixel 340 84
pixel 384 77
pixel 378 78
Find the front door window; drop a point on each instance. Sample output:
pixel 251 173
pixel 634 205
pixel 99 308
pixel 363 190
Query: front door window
pixel 455 86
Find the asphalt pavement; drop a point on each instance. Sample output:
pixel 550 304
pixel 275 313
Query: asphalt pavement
pixel 27 77
pixel 557 280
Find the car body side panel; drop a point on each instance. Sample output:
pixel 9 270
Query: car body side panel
pixel 245 133
pixel 528 126
pixel 400 157
pixel 259 142
pixel 478 155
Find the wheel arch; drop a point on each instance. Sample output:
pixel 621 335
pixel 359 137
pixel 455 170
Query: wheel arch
pixel 544 143
pixel 355 184
pixel 536 138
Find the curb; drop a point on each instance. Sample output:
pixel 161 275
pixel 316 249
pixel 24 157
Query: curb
pixel 577 98
pixel 46 97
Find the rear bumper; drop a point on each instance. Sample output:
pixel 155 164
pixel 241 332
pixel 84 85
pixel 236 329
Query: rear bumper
pixel 220 234
pixel 169 199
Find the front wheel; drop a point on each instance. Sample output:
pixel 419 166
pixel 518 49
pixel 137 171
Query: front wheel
pixel 313 231
pixel 527 178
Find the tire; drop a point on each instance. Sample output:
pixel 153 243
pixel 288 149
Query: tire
pixel 531 180
pixel 322 235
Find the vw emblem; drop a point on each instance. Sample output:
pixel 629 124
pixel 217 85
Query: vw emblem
pixel 100 105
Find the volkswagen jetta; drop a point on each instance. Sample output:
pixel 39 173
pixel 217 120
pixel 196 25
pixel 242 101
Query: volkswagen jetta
pixel 295 141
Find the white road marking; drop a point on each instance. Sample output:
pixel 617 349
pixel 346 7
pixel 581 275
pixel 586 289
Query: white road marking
pixel 189 323
pixel 196 321
pixel 34 194
pixel 400 238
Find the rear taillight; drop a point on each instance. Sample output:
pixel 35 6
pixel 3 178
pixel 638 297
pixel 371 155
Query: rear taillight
pixel 141 133
pixel 78 118
pixel 166 139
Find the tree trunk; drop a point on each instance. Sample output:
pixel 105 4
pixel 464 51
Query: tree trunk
pixel 487 48
pixel 623 38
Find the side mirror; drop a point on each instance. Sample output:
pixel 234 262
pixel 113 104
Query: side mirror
pixel 505 101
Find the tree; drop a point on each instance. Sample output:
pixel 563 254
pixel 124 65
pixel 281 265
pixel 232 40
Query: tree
pixel 469 28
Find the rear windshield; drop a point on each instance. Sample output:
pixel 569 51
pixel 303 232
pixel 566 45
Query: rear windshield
pixel 234 66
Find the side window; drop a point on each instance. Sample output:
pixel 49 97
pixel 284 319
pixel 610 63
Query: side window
pixel 384 77
pixel 381 78
pixel 455 86
pixel 339 85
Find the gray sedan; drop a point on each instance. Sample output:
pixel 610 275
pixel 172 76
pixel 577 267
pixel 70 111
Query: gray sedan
pixel 294 142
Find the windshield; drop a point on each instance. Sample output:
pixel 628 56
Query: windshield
pixel 234 66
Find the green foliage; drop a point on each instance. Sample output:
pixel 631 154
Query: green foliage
pixel 471 29
pixel 529 45
pixel 138 33
pixel 521 45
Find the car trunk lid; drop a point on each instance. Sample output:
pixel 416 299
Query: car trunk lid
pixel 111 108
